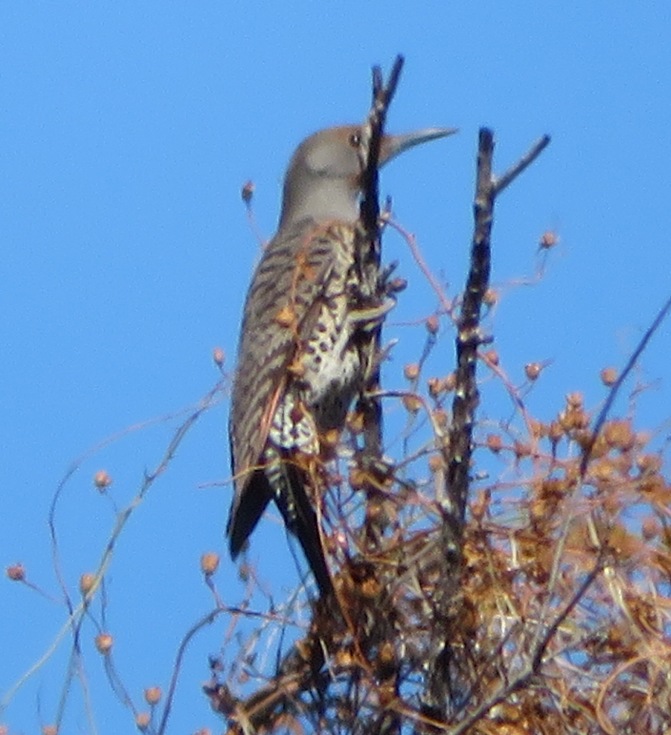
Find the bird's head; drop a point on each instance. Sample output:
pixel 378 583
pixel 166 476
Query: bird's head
pixel 323 181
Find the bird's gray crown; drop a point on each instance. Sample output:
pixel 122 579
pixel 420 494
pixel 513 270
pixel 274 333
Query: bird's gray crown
pixel 323 180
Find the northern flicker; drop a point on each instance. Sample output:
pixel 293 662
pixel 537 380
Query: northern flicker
pixel 300 363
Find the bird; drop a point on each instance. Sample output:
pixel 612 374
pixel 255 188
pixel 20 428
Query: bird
pixel 300 362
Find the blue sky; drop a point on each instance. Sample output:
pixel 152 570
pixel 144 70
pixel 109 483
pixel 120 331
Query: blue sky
pixel 127 131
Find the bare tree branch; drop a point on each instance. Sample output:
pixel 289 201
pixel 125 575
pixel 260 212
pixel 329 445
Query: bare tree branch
pixel 443 668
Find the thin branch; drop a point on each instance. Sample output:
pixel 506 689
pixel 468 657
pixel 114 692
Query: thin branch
pixel 447 304
pixel 615 389
pixel 76 613
pixel 501 182
pixel 207 619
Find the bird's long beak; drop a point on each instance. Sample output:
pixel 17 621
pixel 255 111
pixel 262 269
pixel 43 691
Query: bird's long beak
pixel 394 145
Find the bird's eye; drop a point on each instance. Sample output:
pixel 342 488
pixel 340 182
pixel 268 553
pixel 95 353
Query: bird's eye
pixel 355 140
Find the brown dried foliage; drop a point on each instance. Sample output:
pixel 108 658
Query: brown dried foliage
pixel 558 622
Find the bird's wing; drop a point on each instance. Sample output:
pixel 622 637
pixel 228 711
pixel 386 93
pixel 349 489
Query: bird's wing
pixel 282 304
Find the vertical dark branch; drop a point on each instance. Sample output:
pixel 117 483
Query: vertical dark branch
pixel 444 670
pixel 466 397
pixel 373 291
pixel 447 673
pixel 369 248
pixel 373 130
pixel 459 450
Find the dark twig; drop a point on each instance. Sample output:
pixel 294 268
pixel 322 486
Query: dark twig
pixel 501 182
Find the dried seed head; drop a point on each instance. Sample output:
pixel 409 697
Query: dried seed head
pixel 357 479
pixel 102 480
pixel 521 449
pixel 491 297
pixel 370 588
pixel 602 471
pixel 574 400
pixel 209 562
pixel 142 720
pixel 618 435
pixel 329 439
pixel 491 357
pixel 435 386
pixel 432 324
pixel 218 356
pixel 649 464
pixel 16 572
pixel 573 419
pixel 481 504
pixel 642 438
pixel 548 240
pixel 86 582
pixel 412 403
pixel 247 192
pixel 555 432
pixel 104 643
pixel 585 440
pixel 344 658
pixel 411 371
pixel 494 443
pixel 532 370
pixel 650 528
pixel 152 695
pixel 609 376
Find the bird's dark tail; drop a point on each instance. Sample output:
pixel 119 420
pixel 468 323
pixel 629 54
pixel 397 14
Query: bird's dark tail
pixel 246 511
pixel 290 483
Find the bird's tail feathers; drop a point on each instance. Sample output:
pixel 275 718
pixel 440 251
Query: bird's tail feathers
pixel 297 509
pixel 246 509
